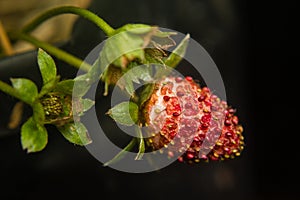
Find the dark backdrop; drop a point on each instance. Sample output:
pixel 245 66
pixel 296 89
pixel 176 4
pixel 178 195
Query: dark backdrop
pixel 251 43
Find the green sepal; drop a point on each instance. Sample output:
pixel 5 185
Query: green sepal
pixel 47 66
pixel 176 56
pixel 75 133
pixel 140 139
pixel 34 136
pixel 146 93
pixel 80 106
pixel 141 72
pixel 86 104
pixel 132 44
pixel 125 113
pixel 27 89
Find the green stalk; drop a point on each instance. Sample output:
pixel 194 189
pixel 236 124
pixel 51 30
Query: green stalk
pixel 107 29
pixel 58 53
pixel 121 153
pixel 4 87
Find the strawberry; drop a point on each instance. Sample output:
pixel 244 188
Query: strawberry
pixel 191 120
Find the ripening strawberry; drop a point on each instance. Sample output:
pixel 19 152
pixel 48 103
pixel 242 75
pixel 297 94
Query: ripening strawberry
pixel 189 119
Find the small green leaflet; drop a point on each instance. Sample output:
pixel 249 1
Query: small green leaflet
pixel 34 136
pixel 125 113
pixel 86 104
pixel 26 88
pixel 75 133
pixel 47 66
pixel 80 106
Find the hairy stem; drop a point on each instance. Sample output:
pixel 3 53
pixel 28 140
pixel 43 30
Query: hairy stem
pixel 107 29
pixel 58 53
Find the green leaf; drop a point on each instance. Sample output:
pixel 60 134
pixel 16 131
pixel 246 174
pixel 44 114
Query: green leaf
pixel 125 113
pixel 122 153
pixel 141 144
pixel 26 88
pixel 34 136
pixel 75 133
pixel 176 56
pixel 65 86
pixel 47 66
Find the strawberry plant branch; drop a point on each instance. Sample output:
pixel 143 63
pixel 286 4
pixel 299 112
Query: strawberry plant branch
pixel 51 105
pixel 107 29
pixel 58 53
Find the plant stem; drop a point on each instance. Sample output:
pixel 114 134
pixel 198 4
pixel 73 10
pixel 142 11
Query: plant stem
pixel 122 153
pixel 107 29
pixel 4 87
pixel 7 48
pixel 58 53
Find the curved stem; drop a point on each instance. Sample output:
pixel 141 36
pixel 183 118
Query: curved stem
pixel 58 53
pixel 107 29
pixel 121 153
pixel 4 87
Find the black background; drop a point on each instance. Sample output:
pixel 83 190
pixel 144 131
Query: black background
pixel 252 45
